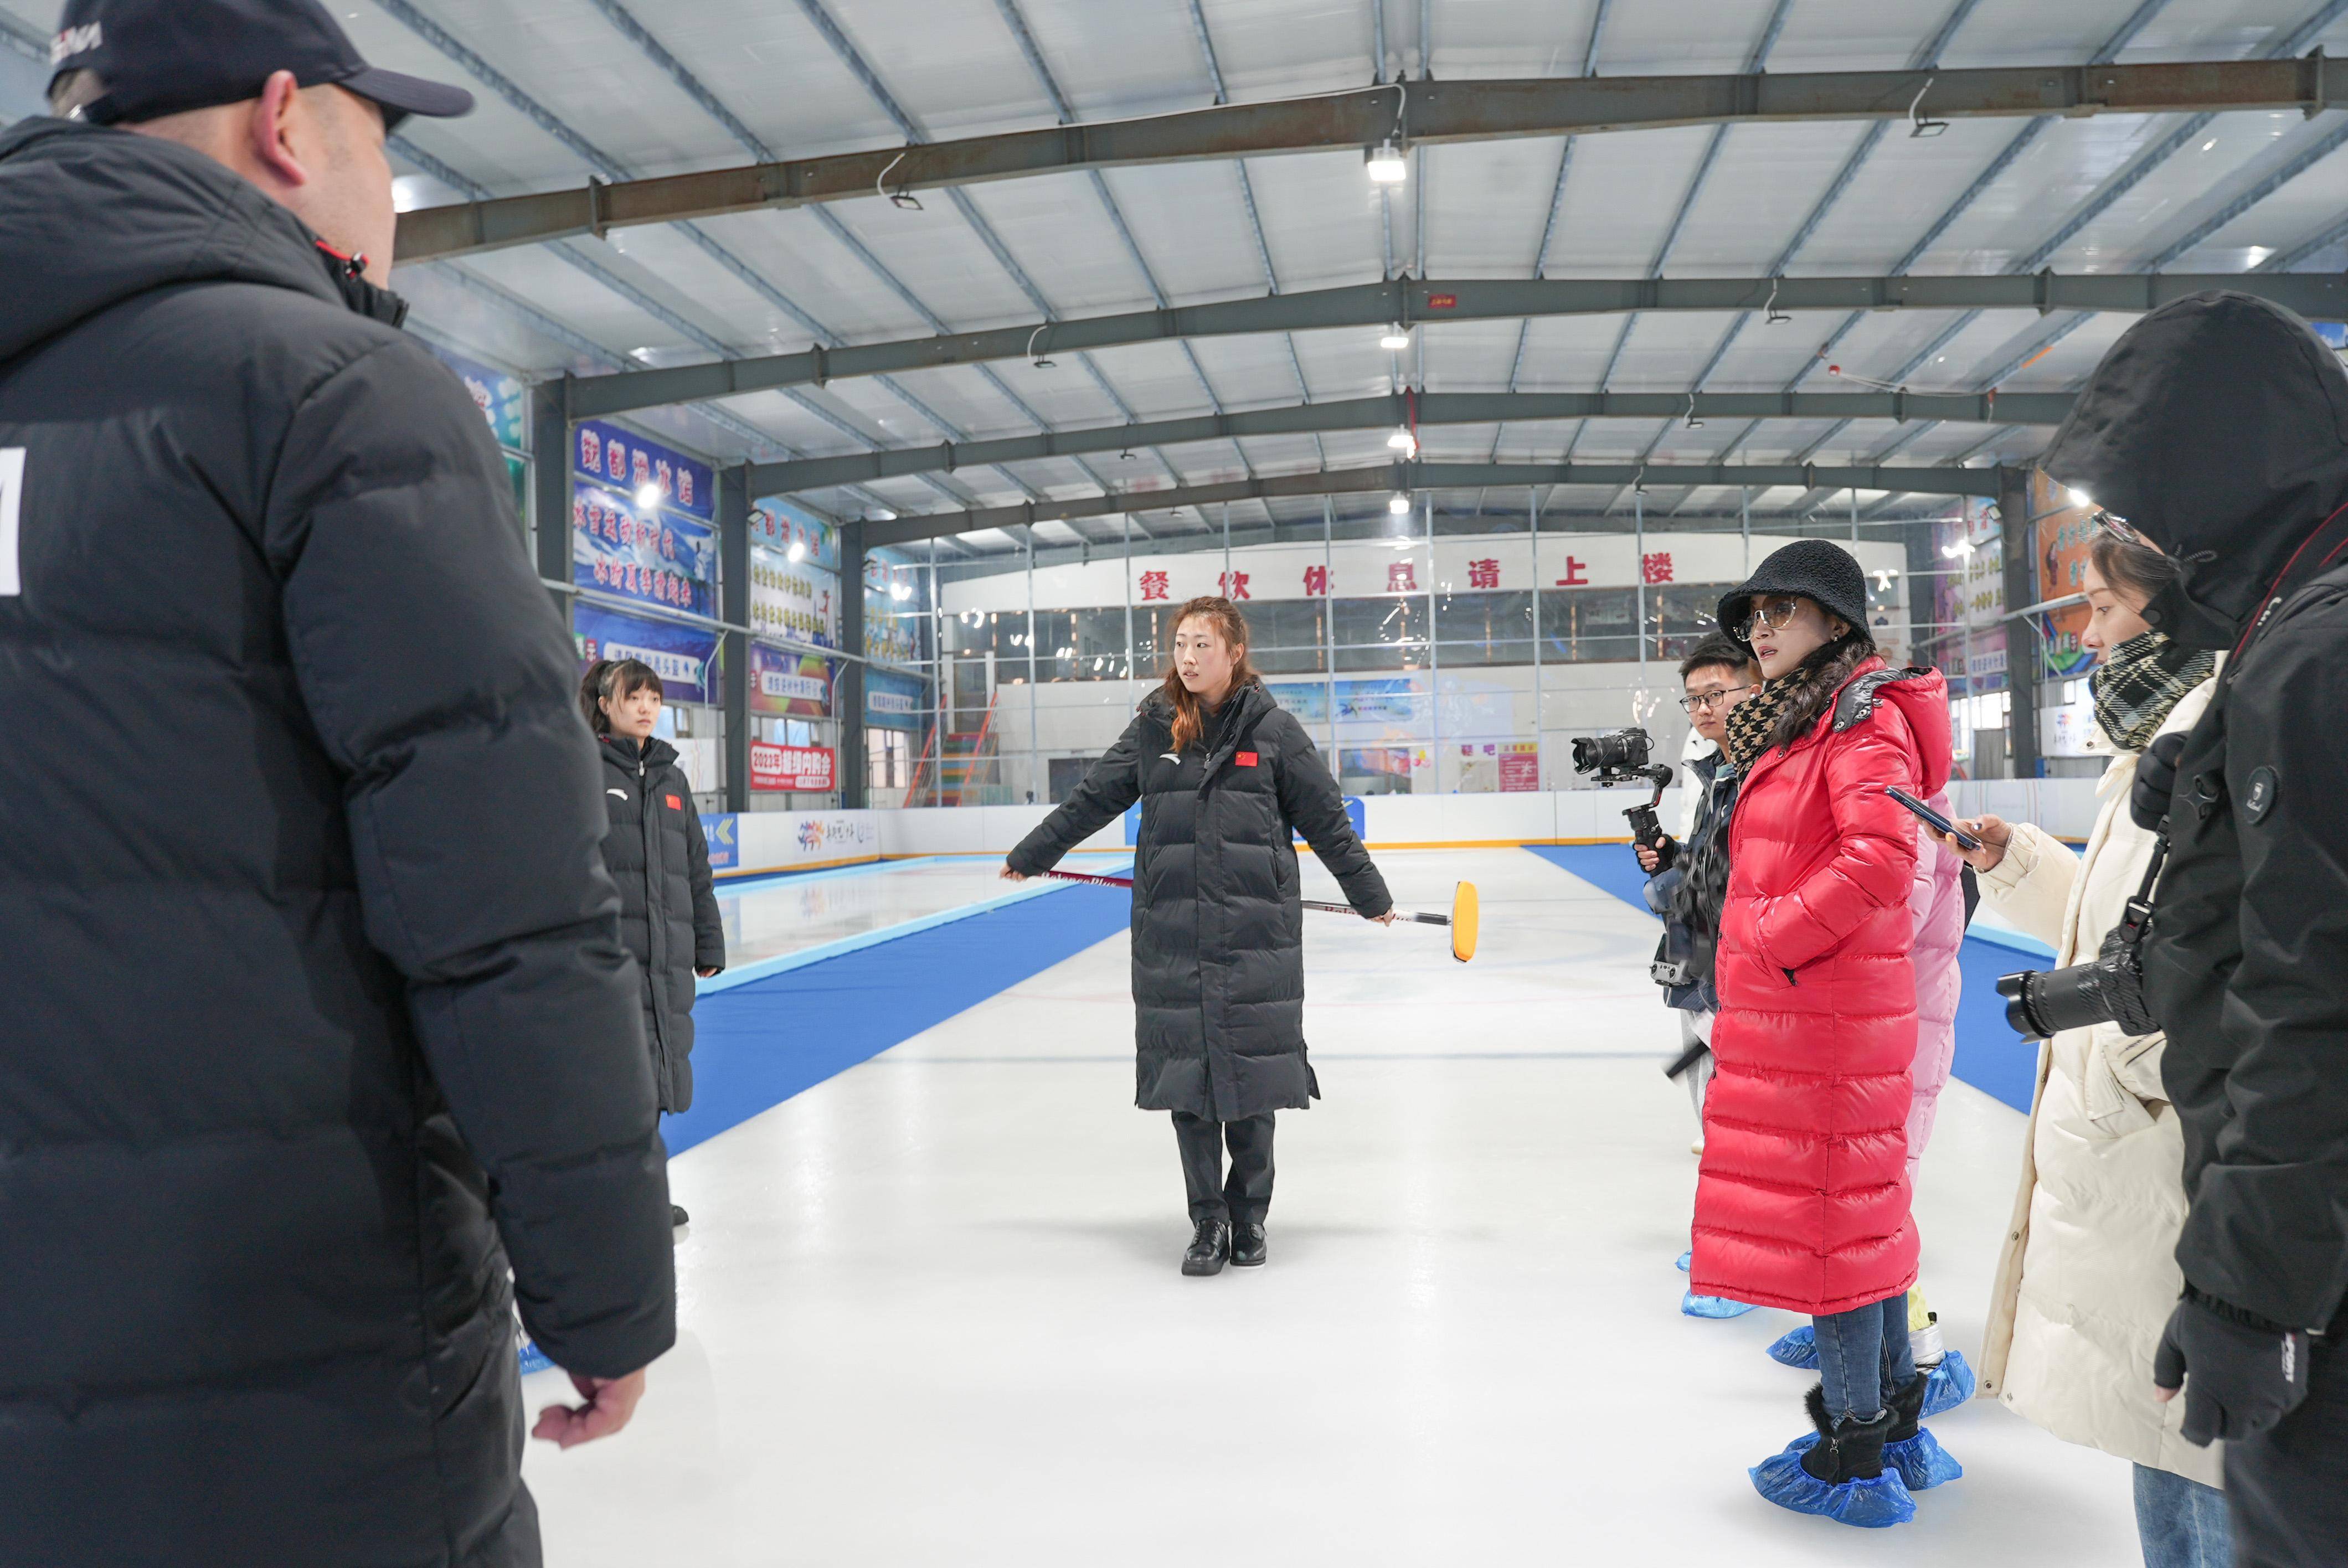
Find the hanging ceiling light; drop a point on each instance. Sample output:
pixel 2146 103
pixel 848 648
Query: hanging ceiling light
pixel 1397 338
pixel 648 496
pixel 797 552
pixel 1398 503
pixel 2081 498
pixel 1387 164
pixel 1403 441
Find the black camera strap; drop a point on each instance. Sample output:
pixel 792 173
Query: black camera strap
pixel 2133 924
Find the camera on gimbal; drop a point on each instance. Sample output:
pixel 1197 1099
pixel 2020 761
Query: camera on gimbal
pixel 1618 757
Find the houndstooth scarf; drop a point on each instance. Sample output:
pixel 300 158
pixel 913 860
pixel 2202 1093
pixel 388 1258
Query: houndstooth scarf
pixel 1782 712
pixel 2139 684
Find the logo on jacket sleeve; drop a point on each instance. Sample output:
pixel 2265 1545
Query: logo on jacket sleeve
pixel 1245 759
pixel 1174 757
pixel 674 803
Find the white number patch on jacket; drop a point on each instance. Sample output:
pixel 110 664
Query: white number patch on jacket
pixel 12 491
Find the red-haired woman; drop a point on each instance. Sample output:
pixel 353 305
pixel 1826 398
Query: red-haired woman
pixel 1225 779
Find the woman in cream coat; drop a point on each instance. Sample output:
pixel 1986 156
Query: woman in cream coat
pixel 2087 1279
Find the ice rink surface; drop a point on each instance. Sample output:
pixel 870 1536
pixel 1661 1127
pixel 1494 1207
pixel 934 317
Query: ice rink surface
pixel 930 1311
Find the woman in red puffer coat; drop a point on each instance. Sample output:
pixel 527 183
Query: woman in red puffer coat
pixel 1803 1198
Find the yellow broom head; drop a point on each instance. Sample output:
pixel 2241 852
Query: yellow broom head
pixel 1464 916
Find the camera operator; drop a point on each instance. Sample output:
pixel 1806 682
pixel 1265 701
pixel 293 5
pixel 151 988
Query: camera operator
pixel 2089 1275
pixel 2218 426
pixel 1688 876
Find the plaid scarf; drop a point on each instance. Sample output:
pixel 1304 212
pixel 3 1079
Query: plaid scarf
pixel 1751 721
pixel 2139 684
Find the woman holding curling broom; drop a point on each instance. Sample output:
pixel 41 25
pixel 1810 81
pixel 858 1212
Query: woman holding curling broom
pixel 1225 779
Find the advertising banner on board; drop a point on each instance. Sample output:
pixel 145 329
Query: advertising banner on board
pixel 776 525
pixel 498 394
pixel 798 603
pixel 652 556
pixel 723 830
pixel 785 684
pixel 807 768
pixel 686 657
pixel 628 461
pixel 894 702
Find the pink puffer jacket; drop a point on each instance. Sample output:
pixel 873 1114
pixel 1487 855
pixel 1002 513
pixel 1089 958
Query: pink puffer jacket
pixel 1938 905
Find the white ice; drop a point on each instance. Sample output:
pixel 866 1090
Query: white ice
pixel 930 1312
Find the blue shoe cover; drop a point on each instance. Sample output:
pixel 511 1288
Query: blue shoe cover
pixel 1798 1347
pixel 1682 1262
pixel 1921 1461
pixel 1875 1504
pixel 533 1359
pixel 1946 1387
pixel 1694 1306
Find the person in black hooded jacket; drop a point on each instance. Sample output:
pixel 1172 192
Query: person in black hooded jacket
pixel 1226 778
pixel 659 857
pixel 2216 428
pixel 320 1046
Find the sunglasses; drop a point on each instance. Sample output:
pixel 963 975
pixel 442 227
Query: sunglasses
pixel 1776 613
pixel 2103 522
pixel 1702 700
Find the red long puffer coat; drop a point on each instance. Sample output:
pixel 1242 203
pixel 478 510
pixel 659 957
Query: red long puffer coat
pixel 1802 1202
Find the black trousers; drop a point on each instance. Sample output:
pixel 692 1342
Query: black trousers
pixel 2287 1489
pixel 1246 1195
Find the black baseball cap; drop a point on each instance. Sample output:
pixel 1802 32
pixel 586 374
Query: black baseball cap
pixel 156 58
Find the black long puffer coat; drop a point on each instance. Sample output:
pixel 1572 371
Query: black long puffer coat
pixel 2218 425
pixel 1218 944
pixel 668 910
pixel 317 1017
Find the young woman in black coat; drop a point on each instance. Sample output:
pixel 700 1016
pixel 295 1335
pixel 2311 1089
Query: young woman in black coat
pixel 658 856
pixel 1225 779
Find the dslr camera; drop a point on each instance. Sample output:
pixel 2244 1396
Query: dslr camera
pixel 1622 756
pixel 2042 1003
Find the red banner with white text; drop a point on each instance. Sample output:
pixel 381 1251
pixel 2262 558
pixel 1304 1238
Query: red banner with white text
pixel 807 768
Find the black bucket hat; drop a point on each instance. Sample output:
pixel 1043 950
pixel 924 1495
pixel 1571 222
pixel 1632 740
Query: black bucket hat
pixel 1817 569
pixel 165 56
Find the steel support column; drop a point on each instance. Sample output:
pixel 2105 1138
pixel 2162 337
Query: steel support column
pixel 2018 534
pixel 734 601
pixel 847 691
pixel 550 486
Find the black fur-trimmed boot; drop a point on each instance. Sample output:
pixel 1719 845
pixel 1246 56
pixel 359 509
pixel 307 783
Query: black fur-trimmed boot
pixel 1914 1452
pixel 1837 1471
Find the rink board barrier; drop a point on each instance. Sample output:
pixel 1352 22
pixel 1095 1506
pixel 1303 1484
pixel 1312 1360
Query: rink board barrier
pixel 766 843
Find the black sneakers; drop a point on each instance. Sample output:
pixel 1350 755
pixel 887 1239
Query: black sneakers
pixel 1247 1245
pixel 1211 1248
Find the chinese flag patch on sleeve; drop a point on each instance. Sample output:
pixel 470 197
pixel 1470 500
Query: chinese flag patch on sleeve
pixel 674 803
pixel 1245 759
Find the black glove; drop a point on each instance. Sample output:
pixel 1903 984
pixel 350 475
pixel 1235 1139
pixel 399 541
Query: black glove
pixel 2245 1375
pixel 2155 780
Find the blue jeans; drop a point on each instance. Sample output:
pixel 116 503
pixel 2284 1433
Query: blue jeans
pixel 1863 1358
pixel 2182 1523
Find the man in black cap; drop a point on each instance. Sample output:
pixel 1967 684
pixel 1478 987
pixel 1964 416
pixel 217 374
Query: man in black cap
pixel 2216 427
pixel 319 1028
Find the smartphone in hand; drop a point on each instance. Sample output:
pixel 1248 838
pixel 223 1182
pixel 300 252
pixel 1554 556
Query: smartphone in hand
pixel 1933 819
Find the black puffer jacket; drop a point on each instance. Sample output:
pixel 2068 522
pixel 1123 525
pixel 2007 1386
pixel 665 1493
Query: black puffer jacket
pixel 668 910
pixel 1692 887
pixel 2218 425
pixel 1217 943
pixel 317 1016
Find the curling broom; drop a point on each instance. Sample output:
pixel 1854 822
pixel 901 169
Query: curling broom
pixel 1462 918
